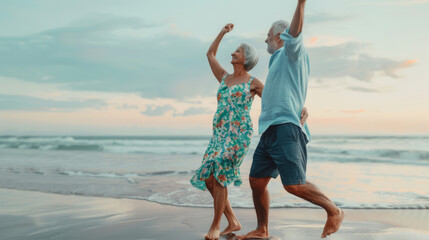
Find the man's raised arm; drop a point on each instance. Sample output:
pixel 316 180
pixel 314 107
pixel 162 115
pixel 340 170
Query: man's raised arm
pixel 298 19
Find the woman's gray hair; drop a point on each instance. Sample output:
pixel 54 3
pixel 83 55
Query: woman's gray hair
pixel 279 26
pixel 251 56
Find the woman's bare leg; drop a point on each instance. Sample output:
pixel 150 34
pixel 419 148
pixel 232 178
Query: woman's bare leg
pixel 233 223
pixel 219 194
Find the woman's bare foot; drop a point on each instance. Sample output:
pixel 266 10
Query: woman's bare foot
pixel 232 227
pixel 258 234
pixel 333 223
pixel 213 234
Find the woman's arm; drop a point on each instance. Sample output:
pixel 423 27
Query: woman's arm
pixel 217 69
pixel 257 87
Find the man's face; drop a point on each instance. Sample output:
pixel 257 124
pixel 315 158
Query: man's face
pixel 271 42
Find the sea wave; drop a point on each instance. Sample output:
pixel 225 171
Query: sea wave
pixel 344 205
pixel 371 154
pixel 81 173
pixel 120 175
pixel 208 204
pixel 165 179
pixel 395 149
pixel 136 145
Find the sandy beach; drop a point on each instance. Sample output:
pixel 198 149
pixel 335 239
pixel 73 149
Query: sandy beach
pixel 35 215
pixel 113 115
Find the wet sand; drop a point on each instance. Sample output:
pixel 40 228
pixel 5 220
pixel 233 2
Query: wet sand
pixel 35 215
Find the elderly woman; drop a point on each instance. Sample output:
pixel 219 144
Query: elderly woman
pixel 232 131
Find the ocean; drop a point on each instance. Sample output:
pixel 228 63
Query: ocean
pixel 356 172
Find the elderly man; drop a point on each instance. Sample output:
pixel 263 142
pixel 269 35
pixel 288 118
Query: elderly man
pixel 282 147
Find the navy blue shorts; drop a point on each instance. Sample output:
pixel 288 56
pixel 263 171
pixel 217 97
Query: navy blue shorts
pixel 281 149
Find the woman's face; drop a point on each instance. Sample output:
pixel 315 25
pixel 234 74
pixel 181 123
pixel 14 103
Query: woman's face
pixel 238 56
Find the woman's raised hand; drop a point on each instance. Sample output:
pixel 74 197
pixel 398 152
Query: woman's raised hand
pixel 228 28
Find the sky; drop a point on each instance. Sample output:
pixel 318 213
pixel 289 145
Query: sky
pixel 133 67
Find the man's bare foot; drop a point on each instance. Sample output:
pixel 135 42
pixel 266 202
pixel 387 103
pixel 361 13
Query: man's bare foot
pixel 258 234
pixel 213 234
pixel 236 226
pixel 333 223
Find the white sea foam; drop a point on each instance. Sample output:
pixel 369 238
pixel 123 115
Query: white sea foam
pixel 356 172
pixel 338 148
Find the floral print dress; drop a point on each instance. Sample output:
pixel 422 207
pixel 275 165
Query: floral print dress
pixel 232 132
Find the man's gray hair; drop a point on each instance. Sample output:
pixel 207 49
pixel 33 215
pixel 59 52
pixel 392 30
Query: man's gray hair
pixel 251 56
pixel 279 26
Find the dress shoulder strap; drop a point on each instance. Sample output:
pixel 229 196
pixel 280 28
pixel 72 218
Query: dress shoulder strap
pixel 223 79
pixel 251 79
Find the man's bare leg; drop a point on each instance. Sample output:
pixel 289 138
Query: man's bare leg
pixel 261 200
pixel 219 201
pixel 233 223
pixel 311 193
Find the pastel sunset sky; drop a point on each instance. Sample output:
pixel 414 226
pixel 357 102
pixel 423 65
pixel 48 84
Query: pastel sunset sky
pixel 135 67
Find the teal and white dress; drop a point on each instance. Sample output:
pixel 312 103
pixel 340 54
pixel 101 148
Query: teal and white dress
pixel 232 133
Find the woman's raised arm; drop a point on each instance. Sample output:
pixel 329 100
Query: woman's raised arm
pixel 217 69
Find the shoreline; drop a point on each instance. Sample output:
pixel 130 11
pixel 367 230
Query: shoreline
pixel 36 215
pixel 202 207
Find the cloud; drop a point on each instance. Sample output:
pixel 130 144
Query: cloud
pixel 113 54
pixel 352 111
pixel 91 55
pixel 396 3
pixel 313 40
pixel 347 59
pixel 107 53
pixel 363 89
pixel 152 110
pixel 14 102
pixel 318 17
pixel 126 106
pixel 194 111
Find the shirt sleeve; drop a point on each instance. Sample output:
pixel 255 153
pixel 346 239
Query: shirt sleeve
pixel 293 46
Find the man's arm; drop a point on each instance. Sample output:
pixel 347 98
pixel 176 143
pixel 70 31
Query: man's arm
pixel 292 37
pixel 298 19
pixel 304 116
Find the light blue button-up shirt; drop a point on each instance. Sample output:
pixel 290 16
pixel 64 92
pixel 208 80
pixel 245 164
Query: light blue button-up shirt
pixel 286 86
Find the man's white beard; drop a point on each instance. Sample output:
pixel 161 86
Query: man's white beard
pixel 270 49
